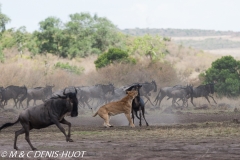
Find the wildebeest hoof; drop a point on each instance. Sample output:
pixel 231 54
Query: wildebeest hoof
pixel 69 140
pixel 16 148
pixel 111 126
pixel 34 149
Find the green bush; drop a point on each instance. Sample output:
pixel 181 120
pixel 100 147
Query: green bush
pixel 226 73
pixel 113 55
pixel 66 66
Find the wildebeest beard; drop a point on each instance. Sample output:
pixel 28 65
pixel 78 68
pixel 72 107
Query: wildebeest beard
pixel 74 112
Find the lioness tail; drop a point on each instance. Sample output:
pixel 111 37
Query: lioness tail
pixel 95 114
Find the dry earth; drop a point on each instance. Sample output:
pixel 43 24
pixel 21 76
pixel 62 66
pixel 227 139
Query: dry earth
pixel 178 134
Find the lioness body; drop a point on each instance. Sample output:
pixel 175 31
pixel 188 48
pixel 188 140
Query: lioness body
pixel 113 108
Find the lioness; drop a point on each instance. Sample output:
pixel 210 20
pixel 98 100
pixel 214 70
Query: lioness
pixel 113 108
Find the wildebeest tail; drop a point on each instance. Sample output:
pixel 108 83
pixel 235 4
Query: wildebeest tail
pixel 8 124
pixel 95 114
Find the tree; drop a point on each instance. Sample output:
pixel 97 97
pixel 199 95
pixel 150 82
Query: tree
pixel 49 35
pixel 21 37
pixel 226 73
pixel 3 21
pixel 150 46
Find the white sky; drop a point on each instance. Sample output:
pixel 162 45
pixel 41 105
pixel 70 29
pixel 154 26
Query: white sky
pixel 220 15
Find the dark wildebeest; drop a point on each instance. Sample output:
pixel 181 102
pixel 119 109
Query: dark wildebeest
pixel 98 91
pixel 175 92
pixel 38 93
pixel 203 91
pixel 146 88
pixel 138 104
pixel 52 111
pixel 181 93
pixel 13 92
pixel 1 89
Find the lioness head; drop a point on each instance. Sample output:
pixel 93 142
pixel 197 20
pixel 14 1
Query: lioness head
pixel 133 94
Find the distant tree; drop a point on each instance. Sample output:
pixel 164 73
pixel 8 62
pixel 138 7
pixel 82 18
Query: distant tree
pixel 151 46
pixel 226 73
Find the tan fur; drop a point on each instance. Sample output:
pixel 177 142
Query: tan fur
pixel 113 108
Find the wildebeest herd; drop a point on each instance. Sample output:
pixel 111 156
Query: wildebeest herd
pixel 56 105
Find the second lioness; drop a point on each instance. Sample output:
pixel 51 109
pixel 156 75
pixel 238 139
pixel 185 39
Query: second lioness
pixel 113 108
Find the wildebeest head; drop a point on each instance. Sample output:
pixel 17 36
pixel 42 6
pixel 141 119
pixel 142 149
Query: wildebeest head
pixel 73 99
pixel 155 86
pixel 211 87
pixel 190 89
pixel 135 87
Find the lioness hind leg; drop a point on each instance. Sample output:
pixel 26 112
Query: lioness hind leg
pixel 106 120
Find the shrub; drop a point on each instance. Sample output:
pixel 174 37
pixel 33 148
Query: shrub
pixel 113 55
pixel 66 66
pixel 226 72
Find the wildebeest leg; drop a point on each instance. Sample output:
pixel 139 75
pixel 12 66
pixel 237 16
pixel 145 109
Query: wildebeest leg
pixel 26 130
pixel 212 98
pixel 149 100
pixel 207 99
pixel 140 116
pixel 15 103
pixel 143 111
pixel 192 102
pixel 132 116
pixel 61 129
pixel 28 102
pixel 129 119
pixel 63 121
pixel 17 133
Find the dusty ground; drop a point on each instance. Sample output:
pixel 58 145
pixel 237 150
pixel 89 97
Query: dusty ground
pixel 185 134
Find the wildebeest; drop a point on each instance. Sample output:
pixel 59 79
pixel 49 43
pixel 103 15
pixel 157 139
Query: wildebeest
pixel 146 88
pixel 98 91
pixel 52 111
pixel 203 91
pixel 138 104
pixel 37 93
pixel 181 93
pixel 13 92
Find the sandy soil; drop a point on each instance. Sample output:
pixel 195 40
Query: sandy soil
pixel 177 135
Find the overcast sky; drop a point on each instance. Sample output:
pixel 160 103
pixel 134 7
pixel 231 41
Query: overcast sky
pixel 220 15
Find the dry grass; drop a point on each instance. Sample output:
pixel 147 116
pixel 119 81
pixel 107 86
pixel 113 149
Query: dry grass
pixel 181 66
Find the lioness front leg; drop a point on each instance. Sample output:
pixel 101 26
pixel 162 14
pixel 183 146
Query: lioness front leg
pixel 129 119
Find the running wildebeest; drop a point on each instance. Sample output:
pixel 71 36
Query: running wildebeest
pixel 138 104
pixel 98 91
pixel 13 92
pixel 174 92
pixel 38 93
pixel 203 91
pixel 182 93
pixel 52 111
